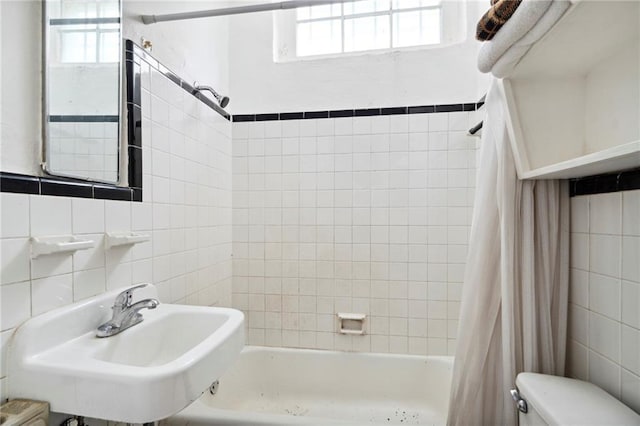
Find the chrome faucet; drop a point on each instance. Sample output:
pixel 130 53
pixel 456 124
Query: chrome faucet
pixel 125 314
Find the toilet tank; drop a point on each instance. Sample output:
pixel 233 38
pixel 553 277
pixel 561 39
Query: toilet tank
pixel 554 400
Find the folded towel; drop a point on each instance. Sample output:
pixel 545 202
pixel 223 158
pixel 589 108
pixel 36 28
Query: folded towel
pixel 508 61
pixel 495 18
pixel 521 22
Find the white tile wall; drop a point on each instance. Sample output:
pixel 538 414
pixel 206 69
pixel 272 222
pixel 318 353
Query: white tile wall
pixel 604 311
pixel 365 214
pixel 187 163
pixel 87 150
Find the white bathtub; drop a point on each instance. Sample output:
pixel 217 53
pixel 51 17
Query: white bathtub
pixel 274 386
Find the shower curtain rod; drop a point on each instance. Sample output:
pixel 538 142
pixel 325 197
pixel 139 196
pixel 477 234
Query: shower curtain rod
pixel 283 5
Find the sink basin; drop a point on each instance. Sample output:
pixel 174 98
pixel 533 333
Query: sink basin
pixel 146 373
pixel 163 339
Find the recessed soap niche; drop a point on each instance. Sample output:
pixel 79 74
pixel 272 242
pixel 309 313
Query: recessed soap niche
pixel 351 323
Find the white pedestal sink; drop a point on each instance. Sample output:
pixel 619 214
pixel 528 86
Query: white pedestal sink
pixel 146 373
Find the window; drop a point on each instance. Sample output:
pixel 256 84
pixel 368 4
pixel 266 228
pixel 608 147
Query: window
pixel 88 31
pixel 367 25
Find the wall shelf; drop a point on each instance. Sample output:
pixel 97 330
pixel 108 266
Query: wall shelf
pixel 58 244
pixel 621 157
pixel 114 239
pixel 573 101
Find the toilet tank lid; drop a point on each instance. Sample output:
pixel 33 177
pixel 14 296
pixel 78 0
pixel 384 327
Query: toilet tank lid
pixel 564 401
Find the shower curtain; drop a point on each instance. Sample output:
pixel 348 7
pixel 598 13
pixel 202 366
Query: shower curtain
pixel 514 301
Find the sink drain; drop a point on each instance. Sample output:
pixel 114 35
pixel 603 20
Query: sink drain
pixel 214 387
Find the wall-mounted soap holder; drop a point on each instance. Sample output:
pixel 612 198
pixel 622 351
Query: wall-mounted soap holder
pixel 350 323
pixel 113 239
pixel 58 244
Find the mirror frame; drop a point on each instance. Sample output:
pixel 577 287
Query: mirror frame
pixel 46 139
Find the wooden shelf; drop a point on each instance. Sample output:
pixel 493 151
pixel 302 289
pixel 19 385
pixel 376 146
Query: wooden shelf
pixel 573 101
pixel 619 157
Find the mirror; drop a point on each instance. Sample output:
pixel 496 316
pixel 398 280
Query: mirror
pixel 82 88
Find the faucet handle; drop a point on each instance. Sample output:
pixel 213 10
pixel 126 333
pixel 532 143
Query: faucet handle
pixel 123 300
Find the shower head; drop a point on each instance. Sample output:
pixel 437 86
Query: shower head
pixel 223 101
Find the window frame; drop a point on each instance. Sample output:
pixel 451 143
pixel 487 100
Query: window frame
pixel 387 13
pixel 453 30
pixel 97 24
pixel 98 31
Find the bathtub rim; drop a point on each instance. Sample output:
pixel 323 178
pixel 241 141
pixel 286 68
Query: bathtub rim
pixel 257 348
pixel 199 413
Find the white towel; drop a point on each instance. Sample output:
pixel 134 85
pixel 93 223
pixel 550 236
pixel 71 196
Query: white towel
pixel 508 61
pixel 523 19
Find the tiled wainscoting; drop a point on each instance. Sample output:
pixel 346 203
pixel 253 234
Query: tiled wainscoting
pixel 84 149
pixel 186 208
pixel 604 310
pixel 355 214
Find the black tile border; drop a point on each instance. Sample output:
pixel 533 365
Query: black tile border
pixel 288 116
pixel 134 125
pixel 61 187
pixel 369 112
pixel 316 114
pixel 363 112
pixel 341 113
pixel 267 117
pixel 449 108
pixel 600 184
pixel 244 117
pixel 394 111
pixel 426 109
pixel 136 193
pixel 21 184
pixel 135 166
pixel 108 192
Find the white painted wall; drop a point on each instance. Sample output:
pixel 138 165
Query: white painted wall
pixel 194 49
pixel 408 77
pixel 20 61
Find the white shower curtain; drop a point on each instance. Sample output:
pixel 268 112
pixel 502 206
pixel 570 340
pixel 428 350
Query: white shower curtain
pixel 514 302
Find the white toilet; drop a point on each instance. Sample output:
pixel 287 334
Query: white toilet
pixel 552 400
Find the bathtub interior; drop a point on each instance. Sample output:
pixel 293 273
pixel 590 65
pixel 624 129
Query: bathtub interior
pixel 356 387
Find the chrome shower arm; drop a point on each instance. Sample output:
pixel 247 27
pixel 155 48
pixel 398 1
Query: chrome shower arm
pixel 200 88
pixel 223 101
